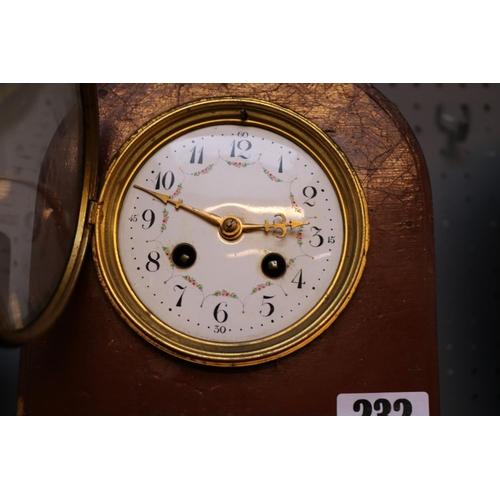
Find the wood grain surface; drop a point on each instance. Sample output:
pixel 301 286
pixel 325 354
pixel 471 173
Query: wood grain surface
pixel 92 363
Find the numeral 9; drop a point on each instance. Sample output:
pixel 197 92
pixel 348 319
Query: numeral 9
pixel 149 217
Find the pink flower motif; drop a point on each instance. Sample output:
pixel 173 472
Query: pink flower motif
pixel 299 236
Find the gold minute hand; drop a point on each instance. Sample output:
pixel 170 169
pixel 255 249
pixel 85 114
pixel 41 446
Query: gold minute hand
pixel 230 226
pixel 213 219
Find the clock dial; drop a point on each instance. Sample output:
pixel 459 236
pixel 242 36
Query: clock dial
pixel 217 285
pixel 230 231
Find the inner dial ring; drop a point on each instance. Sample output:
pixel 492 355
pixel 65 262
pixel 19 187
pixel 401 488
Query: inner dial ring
pixel 290 246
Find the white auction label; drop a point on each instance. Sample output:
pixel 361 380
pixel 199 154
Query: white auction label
pixel 377 404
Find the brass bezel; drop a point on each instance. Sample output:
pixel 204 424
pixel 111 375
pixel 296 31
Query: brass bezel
pixel 57 303
pixel 240 111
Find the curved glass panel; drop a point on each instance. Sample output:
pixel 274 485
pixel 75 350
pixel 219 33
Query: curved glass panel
pixel 41 181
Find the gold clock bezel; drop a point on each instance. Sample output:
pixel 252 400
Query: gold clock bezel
pixel 242 111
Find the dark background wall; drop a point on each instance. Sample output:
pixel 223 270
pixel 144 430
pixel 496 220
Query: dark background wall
pixel 458 127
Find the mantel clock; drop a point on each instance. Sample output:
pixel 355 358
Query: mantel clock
pixel 256 249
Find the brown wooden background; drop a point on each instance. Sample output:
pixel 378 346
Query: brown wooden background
pixel 384 341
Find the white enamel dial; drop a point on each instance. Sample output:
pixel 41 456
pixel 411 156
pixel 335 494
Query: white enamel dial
pixel 192 277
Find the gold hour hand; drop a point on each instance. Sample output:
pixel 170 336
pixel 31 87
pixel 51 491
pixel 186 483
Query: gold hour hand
pixel 281 227
pixel 165 198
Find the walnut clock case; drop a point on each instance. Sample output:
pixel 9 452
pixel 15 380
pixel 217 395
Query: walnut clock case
pixel 272 246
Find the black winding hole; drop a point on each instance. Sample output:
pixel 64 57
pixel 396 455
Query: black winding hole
pixel 184 255
pixel 273 265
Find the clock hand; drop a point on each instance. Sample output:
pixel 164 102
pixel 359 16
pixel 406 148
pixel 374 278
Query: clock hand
pixel 165 198
pixel 230 227
pixel 275 226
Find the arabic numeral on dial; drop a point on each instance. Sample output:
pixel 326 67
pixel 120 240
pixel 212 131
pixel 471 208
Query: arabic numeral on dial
pixel 280 165
pixel 220 315
pixel 319 241
pixel 183 288
pixel 309 192
pixel 298 279
pixel 219 329
pixel 243 146
pixel 166 180
pixel 148 216
pixel 153 263
pixel 271 306
pixel 193 156
pixel 331 239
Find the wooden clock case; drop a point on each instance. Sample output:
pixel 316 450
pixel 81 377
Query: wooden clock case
pixel 92 363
